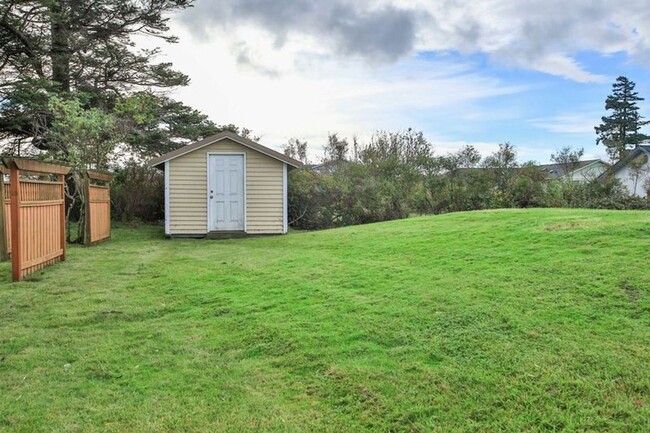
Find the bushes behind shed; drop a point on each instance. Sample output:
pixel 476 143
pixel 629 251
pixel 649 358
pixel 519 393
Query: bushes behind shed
pixel 138 193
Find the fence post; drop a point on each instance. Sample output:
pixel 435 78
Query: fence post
pixel 16 253
pixel 87 217
pixel 4 254
pixel 61 178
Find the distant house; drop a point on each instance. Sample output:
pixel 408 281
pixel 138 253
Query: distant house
pixel 329 166
pixel 582 171
pixel 225 184
pixel 634 171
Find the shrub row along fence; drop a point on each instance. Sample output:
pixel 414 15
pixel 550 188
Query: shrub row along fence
pixel 33 214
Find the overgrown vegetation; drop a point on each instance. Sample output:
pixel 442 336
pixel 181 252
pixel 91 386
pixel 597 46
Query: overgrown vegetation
pixel 75 88
pixel 137 193
pixel 398 174
pixel 511 321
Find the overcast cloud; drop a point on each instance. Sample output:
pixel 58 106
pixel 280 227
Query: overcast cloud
pixel 376 32
pixel 541 35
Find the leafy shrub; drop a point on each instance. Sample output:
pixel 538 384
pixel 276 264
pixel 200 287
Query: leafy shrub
pixel 389 181
pixel 137 193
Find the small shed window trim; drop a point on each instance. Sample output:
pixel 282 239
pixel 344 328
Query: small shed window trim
pixel 207 186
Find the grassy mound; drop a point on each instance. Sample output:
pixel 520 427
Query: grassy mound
pixel 518 320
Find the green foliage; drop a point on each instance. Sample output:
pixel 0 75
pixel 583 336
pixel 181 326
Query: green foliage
pixel 348 196
pixel 527 188
pixel 85 139
pixel 621 130
pixel 157 124
pixel 568 159
pixel 296 149
pixel 82 137
pixel 84 50
pixel 336 148
pixel 383 183
pixel 137 193
pixel 24 116
pixel 141 108
pixel 495 321
pixel 501 169
pixel 396 174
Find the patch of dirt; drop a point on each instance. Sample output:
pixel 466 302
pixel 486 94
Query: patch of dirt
pixel 633 293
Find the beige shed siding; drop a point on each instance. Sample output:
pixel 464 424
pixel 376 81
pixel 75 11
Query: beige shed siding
pixel 188 211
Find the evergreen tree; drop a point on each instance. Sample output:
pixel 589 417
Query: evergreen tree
pixel 620 131
pixel 83 50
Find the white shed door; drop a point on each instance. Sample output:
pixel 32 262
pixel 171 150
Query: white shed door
pixel 226 192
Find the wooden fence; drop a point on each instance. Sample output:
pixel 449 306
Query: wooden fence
pixel 98 206
pixel 5 220
pixel 36 215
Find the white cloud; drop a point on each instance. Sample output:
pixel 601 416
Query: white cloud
pixel 541 35
pixel 578 123
pixel 296 91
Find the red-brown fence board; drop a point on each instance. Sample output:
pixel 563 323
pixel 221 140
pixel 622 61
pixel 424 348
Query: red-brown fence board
pixel 36 217
pixel 33 208
pixel 41 228
pixel 100 213
pixel 6 200
pixel 98 207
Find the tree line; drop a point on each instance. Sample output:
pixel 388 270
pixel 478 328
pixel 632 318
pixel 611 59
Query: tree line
pixel 397 174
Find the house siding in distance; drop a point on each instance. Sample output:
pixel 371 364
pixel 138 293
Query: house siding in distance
pixel 633 171
pixel 635 180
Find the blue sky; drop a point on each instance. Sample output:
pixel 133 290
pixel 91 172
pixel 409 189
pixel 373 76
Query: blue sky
pixel 547 112
pixel 535 73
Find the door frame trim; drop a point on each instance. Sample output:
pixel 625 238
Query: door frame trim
pixel 207 189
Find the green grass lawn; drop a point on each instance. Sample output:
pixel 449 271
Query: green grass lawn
pixel 522 320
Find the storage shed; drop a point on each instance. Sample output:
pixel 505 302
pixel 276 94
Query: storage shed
pixel 225 184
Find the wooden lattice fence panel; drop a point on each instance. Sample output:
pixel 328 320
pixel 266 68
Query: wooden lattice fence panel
pixel 98 207
pixel 36 215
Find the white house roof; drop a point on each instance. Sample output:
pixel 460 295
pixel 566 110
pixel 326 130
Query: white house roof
pixel 639 150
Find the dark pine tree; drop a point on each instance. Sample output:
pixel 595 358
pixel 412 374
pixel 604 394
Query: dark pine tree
pixel 621 131
pixel 85 49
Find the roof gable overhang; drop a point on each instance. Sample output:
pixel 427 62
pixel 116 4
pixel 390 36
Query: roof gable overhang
pixel 159 161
